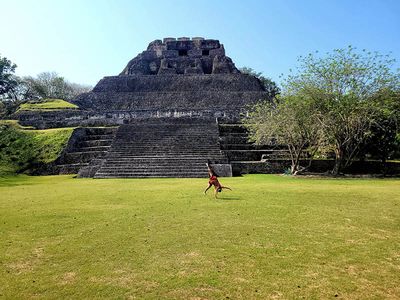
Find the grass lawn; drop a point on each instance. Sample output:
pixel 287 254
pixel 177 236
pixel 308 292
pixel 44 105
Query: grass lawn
pixel 272 237
pixel 47 104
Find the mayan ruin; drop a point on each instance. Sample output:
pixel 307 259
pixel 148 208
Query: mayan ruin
pixel 174 107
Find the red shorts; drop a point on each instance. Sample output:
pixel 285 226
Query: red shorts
pixel 214 181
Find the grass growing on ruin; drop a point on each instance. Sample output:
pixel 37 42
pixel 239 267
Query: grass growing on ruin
pixel 21 147
pixel 271 237
pixel 47 104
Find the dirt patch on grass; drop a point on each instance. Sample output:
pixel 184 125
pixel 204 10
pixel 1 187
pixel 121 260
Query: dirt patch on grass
pixel 125 279
pixel 68 278
pixel 27 265
pixel 21 266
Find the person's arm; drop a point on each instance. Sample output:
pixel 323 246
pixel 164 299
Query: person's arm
pixel 210 171
pixel 209 185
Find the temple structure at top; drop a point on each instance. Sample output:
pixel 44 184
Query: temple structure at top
pixel 174 78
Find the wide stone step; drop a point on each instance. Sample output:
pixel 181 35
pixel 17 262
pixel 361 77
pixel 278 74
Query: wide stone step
pixel 245 155
pixel 236 139
pixel 92 149
pixel 98 137
pixel 81 157
pixel 164 146
pixel 100 130
pixel 111 157
pixel 151 175
pixel 164 153
pixel 232 128
pixel 70 168
pixel 244 147
pixel 177 166
pixel 158 141
pixel 95 143
pixel 150 170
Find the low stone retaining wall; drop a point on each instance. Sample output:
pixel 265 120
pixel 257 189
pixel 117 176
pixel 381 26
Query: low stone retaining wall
pixel 317 166
pixel 70 118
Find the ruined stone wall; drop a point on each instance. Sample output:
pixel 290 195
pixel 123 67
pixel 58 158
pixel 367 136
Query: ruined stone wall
pixel 181 56
pixel 181 83
pixel 177 92
pixel 42 120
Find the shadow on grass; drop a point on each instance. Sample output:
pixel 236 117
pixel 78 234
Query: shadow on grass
pixel 15 180
pixel 229 198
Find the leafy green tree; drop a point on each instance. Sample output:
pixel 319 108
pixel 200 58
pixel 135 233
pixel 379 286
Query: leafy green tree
pixel 51 85
pixel 270 86
pixel 384 140
pixel 8 80
pixel 341 86
pixel 288 122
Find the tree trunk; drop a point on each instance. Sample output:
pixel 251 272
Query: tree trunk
pixel 339 155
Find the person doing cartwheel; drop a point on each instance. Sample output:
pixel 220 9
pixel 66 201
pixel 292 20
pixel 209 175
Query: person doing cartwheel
pixel 213 181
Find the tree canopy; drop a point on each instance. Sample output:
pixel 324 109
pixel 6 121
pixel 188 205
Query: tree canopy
pixel 345 92
pixel 270 86
pixel 8 80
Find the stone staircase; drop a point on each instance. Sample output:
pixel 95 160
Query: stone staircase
pixel 85 145
pixel 162 148
pixel 234 143
pixel 245 156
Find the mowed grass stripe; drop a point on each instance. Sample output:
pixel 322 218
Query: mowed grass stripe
pixel 271 237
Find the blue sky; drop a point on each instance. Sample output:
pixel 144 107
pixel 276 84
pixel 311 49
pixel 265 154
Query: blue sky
pixel 86 40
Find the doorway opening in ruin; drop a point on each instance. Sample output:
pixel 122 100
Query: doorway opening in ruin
pixel 205 52
pixel 183 53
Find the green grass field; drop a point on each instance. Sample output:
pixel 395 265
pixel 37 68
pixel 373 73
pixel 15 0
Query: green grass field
pixel 272 237
pixel 47 104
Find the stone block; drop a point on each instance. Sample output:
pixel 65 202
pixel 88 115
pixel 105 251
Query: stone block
pixel 195 53
pixel 155 44
pixel 168 39
pixel 170 53
pixel 149 55
pixel 210 44
pixel 166 71
pixel 222 170
pixel 218 51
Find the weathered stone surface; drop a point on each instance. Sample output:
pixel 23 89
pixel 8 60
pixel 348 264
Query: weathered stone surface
pixel 180 74
pixel 186 49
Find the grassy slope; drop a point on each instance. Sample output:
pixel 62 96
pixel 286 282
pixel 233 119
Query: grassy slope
pixel 271 237
pixel 48 104
pixel 19 146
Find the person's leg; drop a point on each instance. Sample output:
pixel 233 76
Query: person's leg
pixel 209 185
pixel 216 192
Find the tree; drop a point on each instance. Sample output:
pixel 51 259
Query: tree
pixel 51 85
pixel 270 86
pixel 288 122
pixel 342 85
pixel 385 129
pixel 8 80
